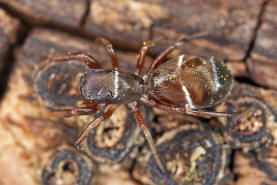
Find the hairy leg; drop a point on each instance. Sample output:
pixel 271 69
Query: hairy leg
pixel 143 126
pixel 89 109
pixel 84 57
pixel 142 55
pixel 162 56
pixel 107 113
pixel 110 51
pixel 200 113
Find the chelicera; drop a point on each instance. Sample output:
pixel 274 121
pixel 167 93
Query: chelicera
pixel 184 84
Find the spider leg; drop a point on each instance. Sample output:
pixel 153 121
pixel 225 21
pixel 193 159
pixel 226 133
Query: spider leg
pixel 84 57
pixel 107 113
pixel 155 103
pixel 110 51
pixel 158 60
pixel 141 59
pixel 162 56
pixel 78 111
pixel 207 113
pixel 143 126
pixel 142 55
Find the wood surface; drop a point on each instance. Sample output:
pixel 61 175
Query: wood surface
pixel 37 145
pixel 9 27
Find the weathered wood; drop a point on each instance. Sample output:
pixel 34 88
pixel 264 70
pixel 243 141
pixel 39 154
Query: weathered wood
pixel 46 43
pixel 253 169
pixel 24 114
pixel 8 29
pixel 68 13
pixel 237 68
pixel 8 32
pixel 125 23
pixel 32 136
pixel 189 17
pixel 262 65
pixel 182 150
pixel 253 125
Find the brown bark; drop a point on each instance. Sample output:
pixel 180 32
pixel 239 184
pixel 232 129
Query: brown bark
pixel 9 28
pixel 36 131
pixel 262 65
pixel 67 13
pixel 37 145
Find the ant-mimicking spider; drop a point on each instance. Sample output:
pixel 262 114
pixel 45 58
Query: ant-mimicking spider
pixel 184 84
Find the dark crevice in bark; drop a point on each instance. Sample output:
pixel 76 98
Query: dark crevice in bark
pixel 232 165
pixel 31 22
pixel 9 58
pixel 86 14
pixel 255 31
pixel 249 82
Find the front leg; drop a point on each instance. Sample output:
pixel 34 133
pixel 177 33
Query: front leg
pixel 84 57
pixel 142 55
pixel 162 56
pixel 107 113
pixel 110 50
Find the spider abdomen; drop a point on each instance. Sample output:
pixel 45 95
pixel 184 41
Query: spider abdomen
pixel 190 81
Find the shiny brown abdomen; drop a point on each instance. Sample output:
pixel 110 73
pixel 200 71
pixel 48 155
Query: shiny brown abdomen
pixel 190 81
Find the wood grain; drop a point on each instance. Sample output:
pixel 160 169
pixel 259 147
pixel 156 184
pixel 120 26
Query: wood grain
pixel 66 13
pixel 262 65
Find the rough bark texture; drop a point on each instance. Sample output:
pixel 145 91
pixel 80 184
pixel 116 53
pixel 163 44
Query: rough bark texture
pixel 189 17
pixel 8 34
pixel 8 28
pixel 36 132
pixel 262 65
pixel 126 23
pixel 37 144
pixel 66 13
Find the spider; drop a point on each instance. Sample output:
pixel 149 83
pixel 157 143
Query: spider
pixel 184 84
